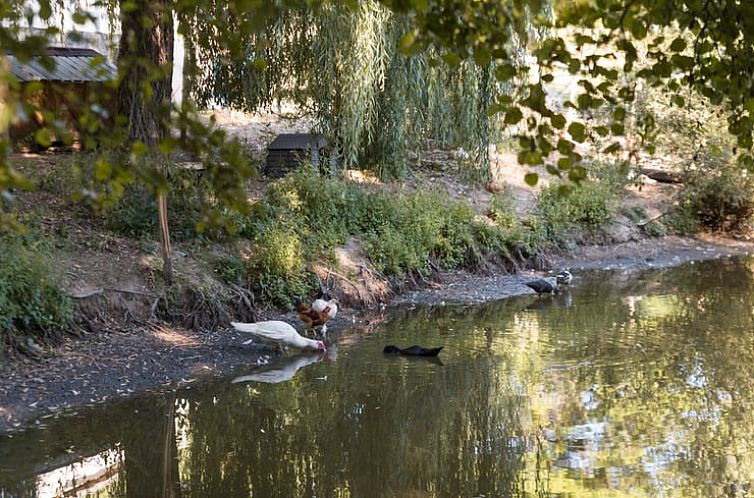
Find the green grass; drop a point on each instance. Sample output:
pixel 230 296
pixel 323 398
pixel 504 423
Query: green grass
pixel 304 217
pixel 32 302
pixel 561 209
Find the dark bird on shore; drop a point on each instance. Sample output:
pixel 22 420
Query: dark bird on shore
pixel 412 351
pixel 564 277
pixel 543 285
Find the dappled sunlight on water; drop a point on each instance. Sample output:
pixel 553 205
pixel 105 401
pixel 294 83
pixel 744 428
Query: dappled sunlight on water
pixel 625 385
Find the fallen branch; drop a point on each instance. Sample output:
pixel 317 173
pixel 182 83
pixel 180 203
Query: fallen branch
pixel 85 295
pixel 100 290
pixel 645 223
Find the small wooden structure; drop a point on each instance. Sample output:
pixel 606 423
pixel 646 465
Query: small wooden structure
pixel 288 151
pixel 77 80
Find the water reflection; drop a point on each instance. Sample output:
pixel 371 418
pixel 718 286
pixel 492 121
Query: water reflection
pixel 281 370
pixel 628 386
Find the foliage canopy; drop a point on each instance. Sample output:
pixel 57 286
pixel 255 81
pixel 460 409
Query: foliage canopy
pixel 610 45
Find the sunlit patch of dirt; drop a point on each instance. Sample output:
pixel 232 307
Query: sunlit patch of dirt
pixel 360 176
pixel 174 337
pixel 256 130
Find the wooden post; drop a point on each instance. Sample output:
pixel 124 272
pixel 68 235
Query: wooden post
pixel 167 258
pixel 5 111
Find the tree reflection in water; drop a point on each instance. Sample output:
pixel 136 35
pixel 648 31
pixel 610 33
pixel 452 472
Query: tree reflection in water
pixel 635 386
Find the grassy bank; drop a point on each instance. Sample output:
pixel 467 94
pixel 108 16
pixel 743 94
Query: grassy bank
pixel 298 224
pixel 33 307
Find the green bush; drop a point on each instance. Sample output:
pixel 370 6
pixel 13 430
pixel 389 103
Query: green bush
pixel 230 269
pixel 718 193
pixel 502 210
pixel 587 205
pixel 135 214
pixel 305 216
pixel 656 228
pixel 31 301
pixel 277 266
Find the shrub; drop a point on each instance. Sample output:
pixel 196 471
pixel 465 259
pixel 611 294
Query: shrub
pixel 656 228
pixel 31 301
pixel 135 214
pixel 230 269
pixel 303 216
pixel 502 210
pixel 718 192
pixel 587 205
pixel 277 268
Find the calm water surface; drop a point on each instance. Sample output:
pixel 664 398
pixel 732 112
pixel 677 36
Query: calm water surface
pixel 635 385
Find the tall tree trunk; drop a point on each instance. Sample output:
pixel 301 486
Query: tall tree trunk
pixel 145 63
pixel 4 114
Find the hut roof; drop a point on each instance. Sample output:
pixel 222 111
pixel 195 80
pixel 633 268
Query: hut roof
pixel 297 141
pixel 72 65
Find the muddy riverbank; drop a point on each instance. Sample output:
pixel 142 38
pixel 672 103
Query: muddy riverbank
pixel 151 358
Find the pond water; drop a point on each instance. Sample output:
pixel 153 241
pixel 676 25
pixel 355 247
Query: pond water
pixel 626 385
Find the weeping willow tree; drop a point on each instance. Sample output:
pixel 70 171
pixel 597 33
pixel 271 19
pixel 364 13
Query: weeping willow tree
pixel 345 67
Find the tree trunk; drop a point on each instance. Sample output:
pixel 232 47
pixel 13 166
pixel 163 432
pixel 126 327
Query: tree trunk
pixel 145 64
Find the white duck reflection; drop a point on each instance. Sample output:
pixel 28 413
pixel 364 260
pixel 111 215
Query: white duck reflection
pixel 284 369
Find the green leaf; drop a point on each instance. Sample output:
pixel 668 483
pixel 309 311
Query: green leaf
pixel 577 174
pixel 577 131
pixel 612 148
pixel 565 146
pixel 513 116
pixel 495 109
pixel 79 17
pixel 42 137
pixel 584 101
pixel 451 59
pixel 565 163
pixel 482 56
pixel 531 179
pixel 505 72
pixel 408 42
pixel 102 170
pixel 45 10
pixel 678 100
pixel 558 121
pixel 139 148
pixel 678 45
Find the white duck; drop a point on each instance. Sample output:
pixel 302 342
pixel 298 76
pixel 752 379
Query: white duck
pixel 321 304
pixel 280 333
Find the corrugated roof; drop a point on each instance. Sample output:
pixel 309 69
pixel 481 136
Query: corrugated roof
pixel 297 141
pixel 71 65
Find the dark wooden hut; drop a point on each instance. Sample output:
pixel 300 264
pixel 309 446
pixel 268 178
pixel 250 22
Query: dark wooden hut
pixel 75 82
pixel 288 151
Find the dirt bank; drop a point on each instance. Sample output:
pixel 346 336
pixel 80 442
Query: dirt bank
pixel 463 287
pixel 119 363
